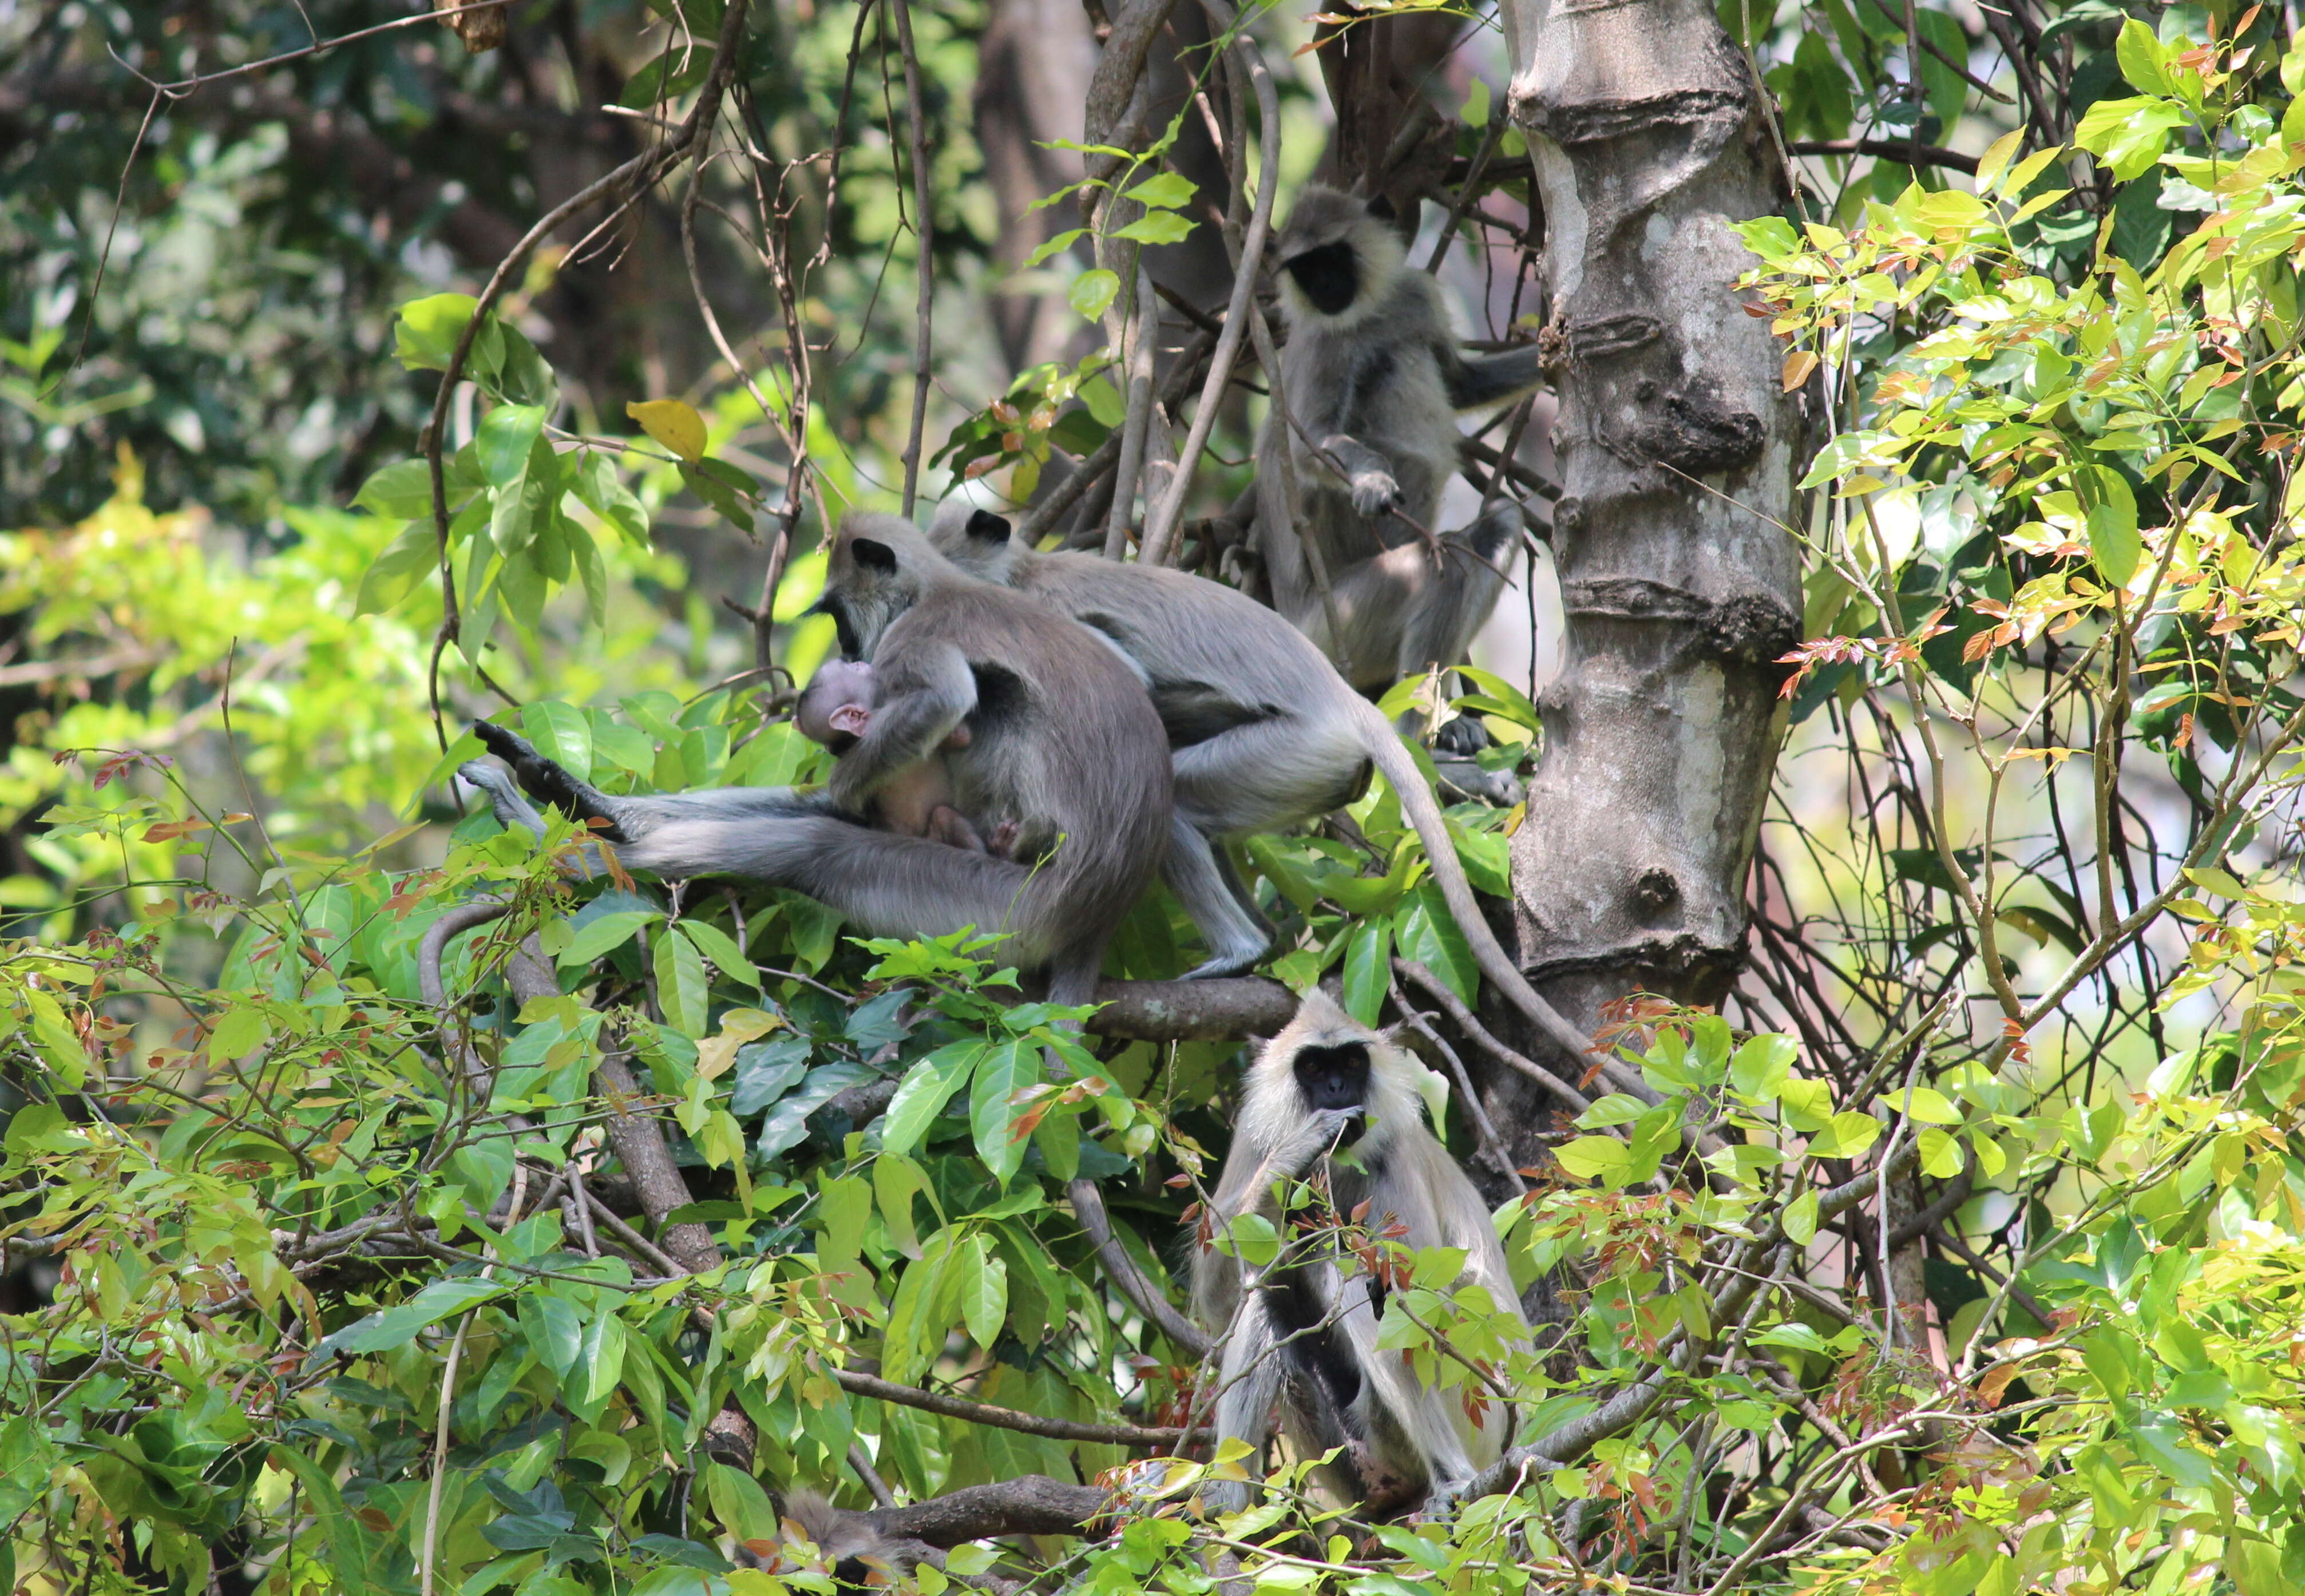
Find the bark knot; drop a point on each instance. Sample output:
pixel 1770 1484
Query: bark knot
pixel 1701 437
pixel 1748 628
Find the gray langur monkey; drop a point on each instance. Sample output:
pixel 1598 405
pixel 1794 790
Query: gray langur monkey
pixel 1062 739
pixel 1329 1094
pixel 835 709
pixel 848 1546
pixel 1374 378
pixel 1266 733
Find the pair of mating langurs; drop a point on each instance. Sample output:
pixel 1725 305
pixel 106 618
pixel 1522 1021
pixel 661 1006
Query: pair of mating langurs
pixel 1168 713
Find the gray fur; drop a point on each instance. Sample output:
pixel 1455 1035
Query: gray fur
pixel 1266 733
pixel 1061 739
pixel 1419 1435
pixel 1376 385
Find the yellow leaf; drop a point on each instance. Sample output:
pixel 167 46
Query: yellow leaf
pixel 1996 159
pixel 1798 364
pixel 672 423
pixel 739 1026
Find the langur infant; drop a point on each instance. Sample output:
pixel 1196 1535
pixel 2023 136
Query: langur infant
pixel 835 710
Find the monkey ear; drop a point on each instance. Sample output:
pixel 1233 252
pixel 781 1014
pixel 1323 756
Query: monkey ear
pixel 873 555
pixel 1380 207
pixel 985 527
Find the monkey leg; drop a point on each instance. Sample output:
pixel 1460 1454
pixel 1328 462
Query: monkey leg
pixel 1473 560
pixel 1237 935
pixel 949 826
pixel 1266 775
pixel 1250 1381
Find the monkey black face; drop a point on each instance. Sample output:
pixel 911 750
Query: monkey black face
pixel 843 626
pixel 1334 1077
pixel 985 527
pixel 1329 275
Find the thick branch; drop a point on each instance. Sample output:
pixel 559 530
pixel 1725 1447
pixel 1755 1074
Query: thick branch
pixel 1175 1011
pixel 1030 1504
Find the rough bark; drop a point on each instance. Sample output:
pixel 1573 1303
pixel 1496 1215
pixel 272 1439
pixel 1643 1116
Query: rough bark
pixel 1678 452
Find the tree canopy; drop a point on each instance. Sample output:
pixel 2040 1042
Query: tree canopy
pixel 387 1205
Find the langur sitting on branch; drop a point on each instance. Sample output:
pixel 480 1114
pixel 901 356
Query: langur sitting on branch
pixel 1374 378
pixel 836 710
pixel 1061 737
pixel 1332 1101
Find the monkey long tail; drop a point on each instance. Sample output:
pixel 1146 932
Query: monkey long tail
pixel 1392 757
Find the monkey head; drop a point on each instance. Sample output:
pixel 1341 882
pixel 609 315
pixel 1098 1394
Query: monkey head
pixel 976 540
pixel 1338 254
pixel 879 568
pixel 836 704
pixel 1327 1069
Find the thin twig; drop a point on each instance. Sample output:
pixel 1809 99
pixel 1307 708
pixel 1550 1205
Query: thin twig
pixel 922 231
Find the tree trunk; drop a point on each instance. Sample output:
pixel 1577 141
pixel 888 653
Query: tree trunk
pixel 1678 452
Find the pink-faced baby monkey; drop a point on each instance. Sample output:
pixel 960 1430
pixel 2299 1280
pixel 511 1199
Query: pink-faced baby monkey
pixel 836 707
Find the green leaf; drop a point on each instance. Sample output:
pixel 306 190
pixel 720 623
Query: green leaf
pixel 1368 970
pixel 556 1333
pixel 1169 189
pixel 1157 228
pixel 1758 1072
pixel 600 1359
pixel 1845 1136
pixel 400 491
pixel 717 493
pixel 1800 1218
pixel 2143 62
pixel 598 488
pixel 680 988
pixel 2113 542
pixel 982 1280
pixel 1511 703
pixel 2128 133
pixel 670 75
pixel 425 336
pixel 717 946
pixel 1927 1105
pixel 503 441
pixel 896 1180
pixel 349 1551
pixel 395 572
pixel 604 934
pixel 1092 293
pixel 1940 1153
pixel 1056 246
pixel 398 1326
pixel 561 733
pixel 927 1087
pixel 1006 1069
pixel 1590 1156
pixel 738 1502
pixel 1428 934
pixel 845 1206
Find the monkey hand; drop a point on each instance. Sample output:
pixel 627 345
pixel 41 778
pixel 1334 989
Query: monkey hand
pixel 1338 1127
pixel 1373 492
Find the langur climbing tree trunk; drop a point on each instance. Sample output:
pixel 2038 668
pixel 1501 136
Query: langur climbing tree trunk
pixel 1677 453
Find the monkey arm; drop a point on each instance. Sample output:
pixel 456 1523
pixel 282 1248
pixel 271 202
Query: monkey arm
pixel 1368 474
pixel 923 701
pixel 1484 379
